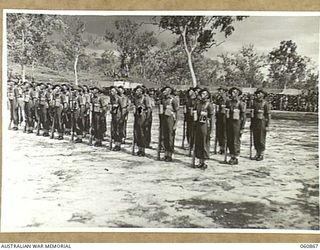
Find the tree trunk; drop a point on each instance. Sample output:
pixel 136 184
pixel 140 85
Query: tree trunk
pixel 23 66
pixel 75 70
pixel 23 72
pixel 32 70
pixel 193 75
pixel 189 55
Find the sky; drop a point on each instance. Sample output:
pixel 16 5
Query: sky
pixel 264 32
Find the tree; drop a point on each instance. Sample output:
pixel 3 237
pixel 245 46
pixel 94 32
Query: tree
pixel 197 33
pixel 109 64
pixel 73 43
pixel 286 65
pixel 229 74
pixel 131 44
pixel 29 37
pixel 249 63
pixel 167 66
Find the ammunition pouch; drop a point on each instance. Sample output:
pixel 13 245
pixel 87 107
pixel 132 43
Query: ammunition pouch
pixel 236 114
pixel 222 109
pixel 203 117
pixel 114 109
pixel 259 114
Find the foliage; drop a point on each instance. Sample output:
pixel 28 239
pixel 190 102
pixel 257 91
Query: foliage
pixel 287 67
pixel 131 44
pixel 197 34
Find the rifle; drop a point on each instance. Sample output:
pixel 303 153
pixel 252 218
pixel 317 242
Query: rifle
pixel 91 115
pixel 251 132
pixel 195 118
pixel 134 134
pixel 226 139
pixel 184 125
pixel 9 127
pixel 160 132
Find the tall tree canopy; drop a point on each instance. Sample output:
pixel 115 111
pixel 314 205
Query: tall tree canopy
pixel 131 44
pixel 198 33
pixel 286 65
pixel 29 37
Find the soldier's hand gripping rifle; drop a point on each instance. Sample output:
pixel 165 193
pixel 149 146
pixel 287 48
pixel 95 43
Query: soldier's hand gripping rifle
pixel 160 132
pixel 195 118
pixel 226 134
pixel 184 125
pixel 91 115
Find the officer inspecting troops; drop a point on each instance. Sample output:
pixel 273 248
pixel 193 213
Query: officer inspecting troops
pixel 260 121
pixel 169 121
pixel 236 119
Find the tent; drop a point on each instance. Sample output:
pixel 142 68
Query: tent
pixel 249 90
pixel 291 92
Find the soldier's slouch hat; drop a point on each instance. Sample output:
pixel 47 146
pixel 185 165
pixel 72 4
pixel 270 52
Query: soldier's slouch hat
pixel 235 88
pixel 56 85
pixel 260 90
pixel 205 90
pixel 166 87
pixel 95 87
pixel 140 87
pixel 225 89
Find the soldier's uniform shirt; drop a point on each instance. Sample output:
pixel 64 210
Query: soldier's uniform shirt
pixel 170 107
pixel 205 111
pixel 235 123
pixel 259 122
pixel 141 123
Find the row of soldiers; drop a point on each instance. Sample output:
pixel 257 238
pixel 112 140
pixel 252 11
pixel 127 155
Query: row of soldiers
pixel 79 111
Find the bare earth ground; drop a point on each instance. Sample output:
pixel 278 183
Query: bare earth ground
pixel 57 184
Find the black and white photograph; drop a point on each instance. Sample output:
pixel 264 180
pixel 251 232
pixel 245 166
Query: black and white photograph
pixel 162 121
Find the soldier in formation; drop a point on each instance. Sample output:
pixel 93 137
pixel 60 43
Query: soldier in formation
pixel 260 121
pixel 79 110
